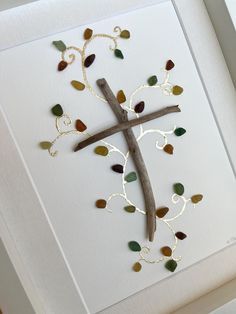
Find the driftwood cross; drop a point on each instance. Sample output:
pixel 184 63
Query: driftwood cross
pixel 125 125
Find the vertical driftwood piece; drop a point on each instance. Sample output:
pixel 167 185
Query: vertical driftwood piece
pixel 135 152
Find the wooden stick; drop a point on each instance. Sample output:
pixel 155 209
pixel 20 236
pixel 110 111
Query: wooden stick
pixel 125 125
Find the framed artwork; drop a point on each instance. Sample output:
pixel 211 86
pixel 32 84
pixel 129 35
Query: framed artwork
pixel 118 155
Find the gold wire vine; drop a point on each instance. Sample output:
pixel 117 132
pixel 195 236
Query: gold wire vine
pixel 166 88
pixel 82 53
pixel 67 122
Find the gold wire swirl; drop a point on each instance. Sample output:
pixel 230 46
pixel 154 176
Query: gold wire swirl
pixel 62 121
pixel 82 52
pixel 175 199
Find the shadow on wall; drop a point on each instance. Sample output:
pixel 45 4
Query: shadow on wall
pixel 13 299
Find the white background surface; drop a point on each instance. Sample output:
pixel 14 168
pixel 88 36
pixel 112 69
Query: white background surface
pixel 41 104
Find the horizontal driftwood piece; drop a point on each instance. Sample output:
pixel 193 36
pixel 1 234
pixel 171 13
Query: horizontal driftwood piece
pixel 126 125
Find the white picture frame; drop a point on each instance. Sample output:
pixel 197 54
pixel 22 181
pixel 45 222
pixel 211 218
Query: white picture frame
pixel 53 289
pixel 223 16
